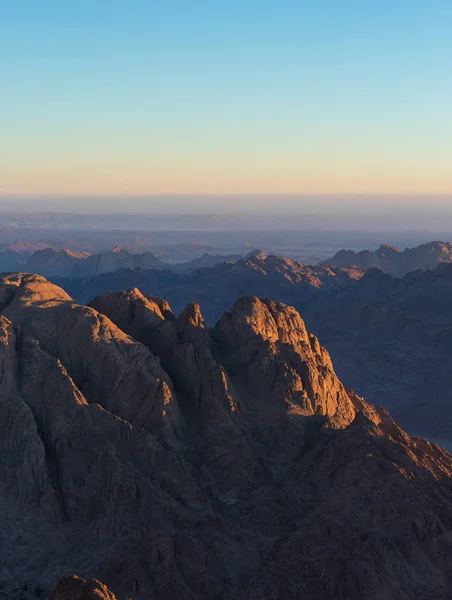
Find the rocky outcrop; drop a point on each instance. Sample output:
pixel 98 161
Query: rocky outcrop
pixel 137 388
pixel 255 475
pixel 394 261
pixel 268 341
pixel 75 588
pixel 191 315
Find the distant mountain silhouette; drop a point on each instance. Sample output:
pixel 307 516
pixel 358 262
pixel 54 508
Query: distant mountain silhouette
pixel 205 261
pixel 393 260
pixel 51 262
pixel 218 287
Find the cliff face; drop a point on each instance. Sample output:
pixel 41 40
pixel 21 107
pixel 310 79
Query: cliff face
pixel 75 588
pixel 170 460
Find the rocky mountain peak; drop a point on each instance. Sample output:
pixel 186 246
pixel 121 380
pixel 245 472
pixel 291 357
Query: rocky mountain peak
pixel 256 256
pixel 395 261
pixel 76 588
pixel 24 288
pixel 249 318
pixel 255 252
pixel 388 249
pixel 191 315
pixel 164 306
pixel 252 318
pixel 129 307
pixel 269 340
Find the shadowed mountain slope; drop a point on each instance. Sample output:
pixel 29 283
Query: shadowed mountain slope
pixel 51 262
pixel 391 339
pixel 218 287
pixel 66 263
pixel 204 262
pixel 170 460
pixel 394 261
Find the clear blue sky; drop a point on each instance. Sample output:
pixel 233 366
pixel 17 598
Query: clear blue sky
pixel 211 96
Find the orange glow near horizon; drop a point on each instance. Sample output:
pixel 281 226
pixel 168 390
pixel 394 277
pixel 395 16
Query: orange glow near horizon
pixel 247 177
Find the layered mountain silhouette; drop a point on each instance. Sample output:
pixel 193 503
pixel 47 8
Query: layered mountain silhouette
pixel 394 261
pixel 170 460
pixel 54 262
pixel 218 287
pixel 51 262
pixel 204 261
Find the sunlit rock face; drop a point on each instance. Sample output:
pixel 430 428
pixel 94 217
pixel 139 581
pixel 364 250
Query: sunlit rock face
pixel 75 588
pixel 170 460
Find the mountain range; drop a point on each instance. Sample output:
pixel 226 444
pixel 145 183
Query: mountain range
pixel 394 261
pixel 389 337
pixel 169 459
pixel 218 287
pixel 41 258
pixel 51 262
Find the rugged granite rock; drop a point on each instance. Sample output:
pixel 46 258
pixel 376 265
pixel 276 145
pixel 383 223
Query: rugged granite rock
pixel 136 389
pixel 172 460
pixel 394 261
pixel 75 588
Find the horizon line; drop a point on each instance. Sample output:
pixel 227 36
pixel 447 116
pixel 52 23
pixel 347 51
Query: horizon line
pixel 221 194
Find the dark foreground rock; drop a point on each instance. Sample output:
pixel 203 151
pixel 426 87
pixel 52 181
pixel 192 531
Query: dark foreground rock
pixel 75 588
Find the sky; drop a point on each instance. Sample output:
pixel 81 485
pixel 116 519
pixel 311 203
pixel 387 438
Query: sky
pixel 227 97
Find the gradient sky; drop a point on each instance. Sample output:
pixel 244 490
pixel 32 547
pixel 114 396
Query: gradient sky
pixel 233 96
